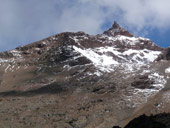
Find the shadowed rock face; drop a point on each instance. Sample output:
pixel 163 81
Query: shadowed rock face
pixel 156 121
pixel 116 127
pixel 142 82
pixel 165 55
pixel 53 88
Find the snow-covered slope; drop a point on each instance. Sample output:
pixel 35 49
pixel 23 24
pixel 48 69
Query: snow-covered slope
pixel 106 58
pixel 115 48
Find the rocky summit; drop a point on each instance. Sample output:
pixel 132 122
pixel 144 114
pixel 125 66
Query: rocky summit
pixel 77 80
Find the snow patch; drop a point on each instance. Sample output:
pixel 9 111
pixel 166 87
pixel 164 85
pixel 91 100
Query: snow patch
pixel 6 69
pixel 16 53
pixel 127 40
pixel 166 97
pixel 136 97
pixel 103 62
pixel 142 56
pixel 107 58
pixel 159 80
pixel 167 70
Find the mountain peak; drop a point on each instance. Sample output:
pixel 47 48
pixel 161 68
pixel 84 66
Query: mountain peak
pixel 108 71
pixel 115 25
pixel 116 29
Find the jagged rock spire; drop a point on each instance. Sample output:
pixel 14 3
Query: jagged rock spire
pixel 116 29
pixel 115 25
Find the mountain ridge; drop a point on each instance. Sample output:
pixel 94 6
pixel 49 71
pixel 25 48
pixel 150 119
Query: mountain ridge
pixel 87 80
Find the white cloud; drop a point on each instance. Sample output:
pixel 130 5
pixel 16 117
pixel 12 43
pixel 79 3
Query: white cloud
pixel 26 21
pixel 139 14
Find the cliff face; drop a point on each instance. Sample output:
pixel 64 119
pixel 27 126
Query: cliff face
pixel 76 80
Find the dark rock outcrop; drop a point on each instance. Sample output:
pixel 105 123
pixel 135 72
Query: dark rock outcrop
pixel 117 30
pixel 153 121
pixel 142 82
pixel 165 55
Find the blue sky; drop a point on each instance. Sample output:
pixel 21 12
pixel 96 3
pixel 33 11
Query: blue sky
pixel 23 22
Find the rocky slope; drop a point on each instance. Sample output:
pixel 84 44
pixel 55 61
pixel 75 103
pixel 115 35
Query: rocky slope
pixel 77 80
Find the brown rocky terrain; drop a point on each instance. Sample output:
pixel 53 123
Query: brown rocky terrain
pixel 77 80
